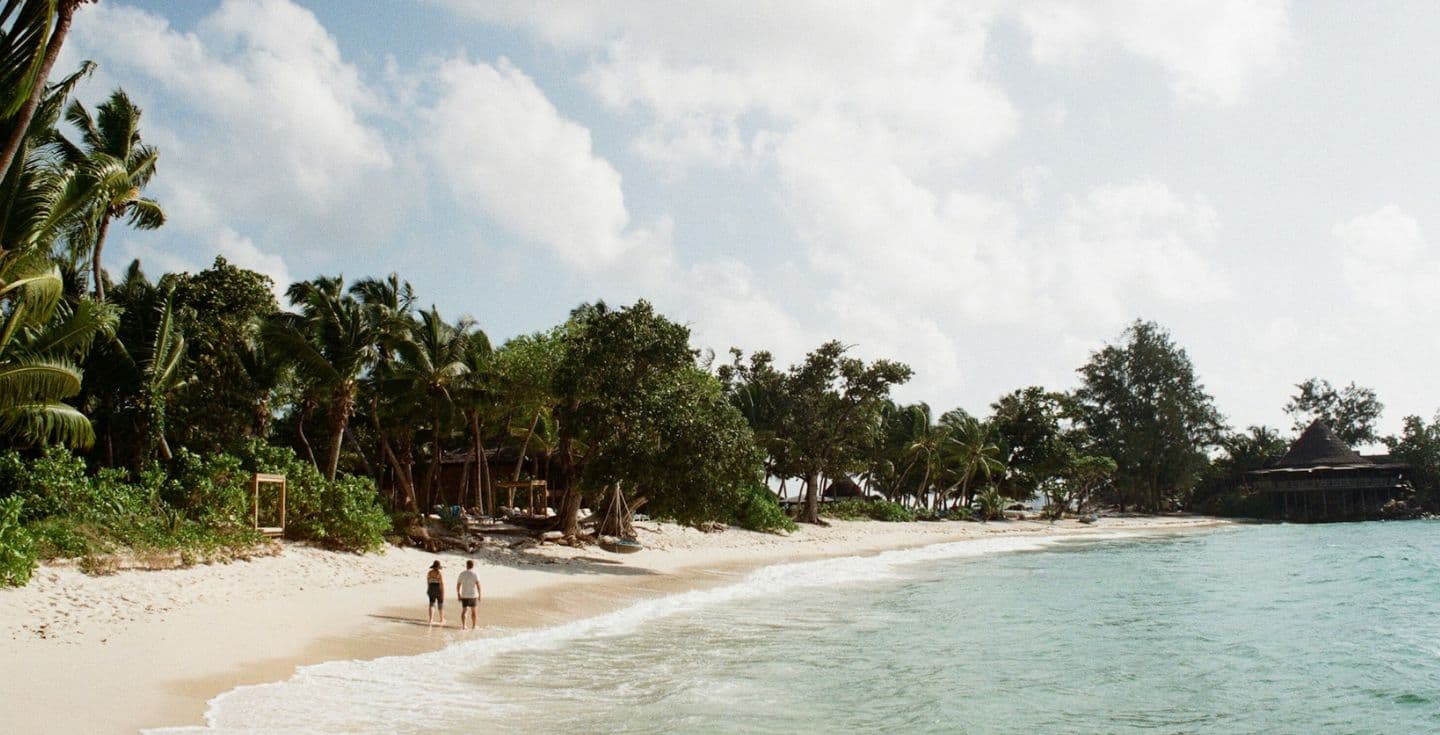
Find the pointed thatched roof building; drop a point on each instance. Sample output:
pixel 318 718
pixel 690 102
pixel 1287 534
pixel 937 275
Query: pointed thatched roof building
pixel 1318 446
pixel 1320 478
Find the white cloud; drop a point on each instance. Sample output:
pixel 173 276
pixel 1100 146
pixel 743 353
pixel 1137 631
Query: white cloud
pixel 500 145
pixel 263 127
pixel 1211 50
pixel 1388 264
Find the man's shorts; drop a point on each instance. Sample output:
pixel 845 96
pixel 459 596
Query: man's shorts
pixel 468 601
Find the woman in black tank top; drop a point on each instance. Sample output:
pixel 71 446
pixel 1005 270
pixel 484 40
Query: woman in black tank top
pixel 435 589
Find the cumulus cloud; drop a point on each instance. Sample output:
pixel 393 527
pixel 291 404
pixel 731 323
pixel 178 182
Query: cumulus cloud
pixel 264 129
pixel 1212 51
pixel 1387 262
pixel 500 145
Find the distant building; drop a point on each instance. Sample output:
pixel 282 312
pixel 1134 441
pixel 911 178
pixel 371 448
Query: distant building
pixel 1321 478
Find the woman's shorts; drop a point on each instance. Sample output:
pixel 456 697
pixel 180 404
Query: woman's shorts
pixel 437 595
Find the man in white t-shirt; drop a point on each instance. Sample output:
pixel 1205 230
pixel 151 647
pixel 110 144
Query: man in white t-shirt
pixel 467 588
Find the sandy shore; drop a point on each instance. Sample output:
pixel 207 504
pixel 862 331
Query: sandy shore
pixel 145 649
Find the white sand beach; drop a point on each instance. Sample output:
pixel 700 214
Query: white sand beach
pixel 142 649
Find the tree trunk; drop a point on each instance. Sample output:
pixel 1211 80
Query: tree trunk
pixel 21 123
pixel 340 408
pixel 305 408
pixel 359 451
pixel 482 473
pixel 561 475
pixel 432 471
pixel 96 270
pixel 525 447
pixel 811 513
pixel 401 478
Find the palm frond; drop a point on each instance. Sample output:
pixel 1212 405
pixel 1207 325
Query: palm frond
pixel 38 423
pixel 76 332
pixel 22 50
pixel 37 378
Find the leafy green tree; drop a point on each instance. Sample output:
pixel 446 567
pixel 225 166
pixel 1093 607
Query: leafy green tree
pixel 1077 480
pixel 1350 412
pixel 40 201
pixel 1241 453
pixel 34 31
pixel 41 341
pixel 332 340
pixel 612 363
pixel 113 165
pixel 228 399
pixel 1143 406
pixel 692 457
pixel 1031 428
pixel 756 389
pixel 1418 446
pixel 830 409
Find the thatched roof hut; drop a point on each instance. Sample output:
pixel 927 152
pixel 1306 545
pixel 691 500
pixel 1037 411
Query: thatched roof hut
pixel 1320 478
pixel 1317 446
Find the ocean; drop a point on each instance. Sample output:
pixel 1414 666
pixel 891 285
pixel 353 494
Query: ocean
pixel 1253 629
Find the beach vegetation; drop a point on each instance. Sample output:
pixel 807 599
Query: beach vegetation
pixel 17 546
pixel 759 510
pixel 1350 412
pixel 1142 404
pixel 1418 446
pixel 874 510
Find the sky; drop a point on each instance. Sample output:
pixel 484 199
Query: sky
pixel 987 191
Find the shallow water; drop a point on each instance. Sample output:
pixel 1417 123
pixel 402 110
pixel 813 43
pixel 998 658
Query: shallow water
pixel 1277 629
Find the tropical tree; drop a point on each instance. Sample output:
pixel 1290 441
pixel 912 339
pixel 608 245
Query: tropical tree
pixel 41 341
pixel 1350 412
pixel 33 32
pixel 113 166
pixel 969 452
pixel 830 408
pixel 135 375
pixel 221 310
pixel 433 361
pixel 1033 429
pixel 1144 407
pixel 332 340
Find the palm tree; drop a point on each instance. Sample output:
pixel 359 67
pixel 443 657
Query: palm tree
pixel 35 31
pixel 40 200
pixel 969 452
pixel 114 166
pixel 331 341
pixel 433 360
pixel 41 337
pixel 151 355
pixel 474 397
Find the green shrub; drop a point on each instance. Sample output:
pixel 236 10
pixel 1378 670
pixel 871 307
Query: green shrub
pixel 214 489
pixel 53 484
pixel 344 514
pixel 17 548
pixel 760 511
pixel 1236 504
pixel 878 510
pixel 64 538
pixel 990 506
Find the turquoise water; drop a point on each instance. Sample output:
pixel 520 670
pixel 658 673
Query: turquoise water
pixel 1265 629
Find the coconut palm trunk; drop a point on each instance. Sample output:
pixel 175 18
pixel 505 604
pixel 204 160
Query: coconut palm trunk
pixel 65 14
pixel 340 408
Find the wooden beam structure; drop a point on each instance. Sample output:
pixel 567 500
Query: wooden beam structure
pixel 261 478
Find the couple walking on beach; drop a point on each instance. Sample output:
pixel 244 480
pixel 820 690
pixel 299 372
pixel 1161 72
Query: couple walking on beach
pixel 467 588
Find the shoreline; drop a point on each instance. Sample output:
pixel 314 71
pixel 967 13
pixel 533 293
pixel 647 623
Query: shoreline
pixel 154 647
